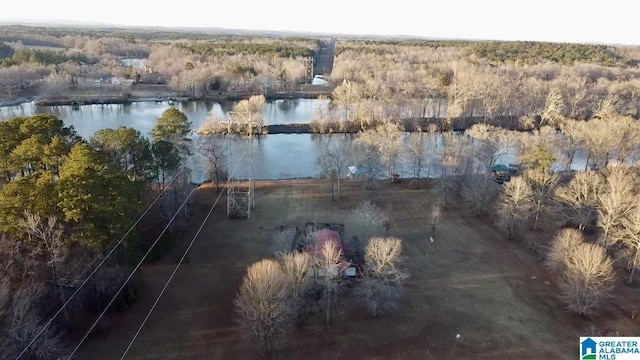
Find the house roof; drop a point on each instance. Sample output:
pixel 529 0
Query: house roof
pixel 356 171
pixel 325 236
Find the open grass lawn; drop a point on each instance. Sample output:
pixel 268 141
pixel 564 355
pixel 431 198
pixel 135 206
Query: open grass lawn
pixel 469 281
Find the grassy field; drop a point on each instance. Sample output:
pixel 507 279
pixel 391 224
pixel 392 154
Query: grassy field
pixel 469 281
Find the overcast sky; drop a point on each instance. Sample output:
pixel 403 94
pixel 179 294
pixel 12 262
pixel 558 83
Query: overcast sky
pixel 611 21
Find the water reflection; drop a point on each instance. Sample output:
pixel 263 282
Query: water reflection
pixel 142 115
pixel 274 156
pixel 288 156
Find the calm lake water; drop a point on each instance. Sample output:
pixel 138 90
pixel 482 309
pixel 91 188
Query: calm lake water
pixel 277 156
pixel 142 115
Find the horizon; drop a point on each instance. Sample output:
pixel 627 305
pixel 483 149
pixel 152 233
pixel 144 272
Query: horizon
pixel 546 20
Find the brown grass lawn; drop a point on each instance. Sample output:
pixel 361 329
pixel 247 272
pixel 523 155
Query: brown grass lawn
pixel 470 281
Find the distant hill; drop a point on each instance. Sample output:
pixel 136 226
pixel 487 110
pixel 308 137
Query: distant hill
pixel 83 25
pixel 30 42
pixel 198 30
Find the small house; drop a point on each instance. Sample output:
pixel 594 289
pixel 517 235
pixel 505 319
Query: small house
pixel 355 172
pixel 321 238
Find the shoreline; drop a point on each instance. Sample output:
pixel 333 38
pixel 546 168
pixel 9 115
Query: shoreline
pixel 71 100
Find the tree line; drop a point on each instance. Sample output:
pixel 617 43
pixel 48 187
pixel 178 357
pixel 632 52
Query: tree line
pixel 604 200
pixel 533 52
pixel 42 57
pixel 277 49
pixel 523 52
pixel 193 64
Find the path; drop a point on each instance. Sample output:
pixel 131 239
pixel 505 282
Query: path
pixel 324 59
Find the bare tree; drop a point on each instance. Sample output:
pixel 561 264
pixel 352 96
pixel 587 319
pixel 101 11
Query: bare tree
pixel 50 233
pixel 491 142
pixel 370 218
pixel 625 135
pixel 432 144
pixel 263 304
pixel 57 83
pixel 461 93
pixel 454 152
pixel 628 235
pixel 543 183
pixel 347 95
pixel 596 137
pixel 297 265
pixel 587 280
pixel 615 199
pixel 580 198
pixel 329 266
pixel 212 148
pixel 20 323
pixel 417 151
pixel 562 248
pixel 571 140
pixel 369 156
pixel 250 111
pixel 282 241
pixel 435 214
pixel 479 192
pixel 384 140
pixel 554 106
pixel 333 162
pixel 383 275
pixel 514 207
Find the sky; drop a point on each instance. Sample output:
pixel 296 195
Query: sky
pixel 611 21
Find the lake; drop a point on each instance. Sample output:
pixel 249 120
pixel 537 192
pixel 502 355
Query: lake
pixel 142 115
pixel 276 156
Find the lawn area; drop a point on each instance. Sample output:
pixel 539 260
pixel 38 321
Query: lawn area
pixel 469 281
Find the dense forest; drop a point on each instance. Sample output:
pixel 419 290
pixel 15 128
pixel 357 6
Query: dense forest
pixel 522 52
pixel 64 203
pixel 486 79
pixel 509 84
pixel 272 49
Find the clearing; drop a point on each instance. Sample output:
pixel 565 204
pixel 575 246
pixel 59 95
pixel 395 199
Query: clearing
pixel 469 281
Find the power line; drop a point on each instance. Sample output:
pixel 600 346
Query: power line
pixel 148 206
pixel 175 270
pixel 95 270
pixel 134 270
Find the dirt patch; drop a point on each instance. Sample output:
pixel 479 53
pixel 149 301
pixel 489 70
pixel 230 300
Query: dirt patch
pixel 469 281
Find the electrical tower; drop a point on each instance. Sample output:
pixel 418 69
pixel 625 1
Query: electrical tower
pixel 308 64
pixel 240 192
